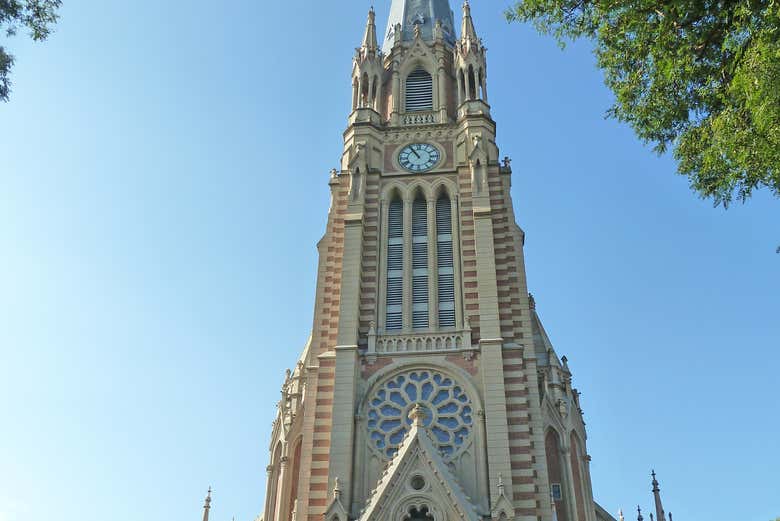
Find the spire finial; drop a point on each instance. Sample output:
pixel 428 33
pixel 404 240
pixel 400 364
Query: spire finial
pixel 418 415
pixel 639 512
pixel 207 506
pixel 620 515
pixel 467 29
pixel 369 45
pixel 336 488
pixel 500 484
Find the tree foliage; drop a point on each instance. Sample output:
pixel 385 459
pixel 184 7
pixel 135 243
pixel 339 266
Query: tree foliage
pixel 36 16
pixel 699 77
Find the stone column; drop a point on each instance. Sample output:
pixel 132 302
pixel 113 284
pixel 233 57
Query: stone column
pixel 442 94
pixel 280 489
pixel 394 113
pixel 461 96
pixel 343 427
pixel 269 496
pixel 378 102
pixel 571 500
pixel 491 345
pixel 457 262
pixel 371 99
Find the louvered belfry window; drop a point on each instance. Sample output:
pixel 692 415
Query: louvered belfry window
pixel 395 266
pixel 419 91
pixel 445 263
pixel 420 264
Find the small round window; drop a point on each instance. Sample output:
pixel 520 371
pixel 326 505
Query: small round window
pixel 418 483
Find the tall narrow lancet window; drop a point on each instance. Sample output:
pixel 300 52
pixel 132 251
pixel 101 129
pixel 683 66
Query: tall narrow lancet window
pixel 296 476
pixel 576 472
pixel 472 83
pixel 552 446
pixel 445 262
pixel 420 264
pixel 395 266
pixel 419 91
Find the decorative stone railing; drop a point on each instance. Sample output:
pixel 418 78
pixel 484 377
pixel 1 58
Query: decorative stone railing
pixel 418 342
pixel 419 118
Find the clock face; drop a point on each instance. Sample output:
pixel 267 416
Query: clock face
pixel 419 157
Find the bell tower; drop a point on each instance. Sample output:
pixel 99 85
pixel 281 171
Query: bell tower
pixel 428 389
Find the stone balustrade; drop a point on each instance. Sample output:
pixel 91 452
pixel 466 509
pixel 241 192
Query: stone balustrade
pixel 419 118
pixel 418 342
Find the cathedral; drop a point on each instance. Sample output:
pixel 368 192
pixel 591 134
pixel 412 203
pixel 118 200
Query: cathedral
pixel 428 389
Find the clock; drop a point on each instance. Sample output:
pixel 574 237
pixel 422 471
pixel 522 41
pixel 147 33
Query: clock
pixel 419 157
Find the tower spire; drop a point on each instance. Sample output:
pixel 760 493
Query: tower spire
pixel 426 18
pixel 207 506
pixel 369 39
pixel 659 509
pixel 467 31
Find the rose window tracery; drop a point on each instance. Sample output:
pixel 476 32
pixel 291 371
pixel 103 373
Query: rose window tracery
pixel 448 411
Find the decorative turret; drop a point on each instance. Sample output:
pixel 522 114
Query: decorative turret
pixel 367 70
pixel 471 68
pixel 370 46
pixel 467 31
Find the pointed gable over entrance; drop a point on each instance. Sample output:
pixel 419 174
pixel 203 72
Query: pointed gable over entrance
pixel 417 484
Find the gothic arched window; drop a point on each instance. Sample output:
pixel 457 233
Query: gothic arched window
pixel 395 266
pixel 552 445
pixel 444 262
pixel 576 472
pixel 419 263
pixel 421 514
pixel 419 91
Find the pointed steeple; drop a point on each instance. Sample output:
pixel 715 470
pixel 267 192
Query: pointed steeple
pixel 639 514
pixel 369 39
pixel 412 17
pixel 659 508
pixel 620 515
pixel 467 31
pixel 207 506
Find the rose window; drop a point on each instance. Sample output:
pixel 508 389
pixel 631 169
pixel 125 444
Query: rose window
pixel 447 411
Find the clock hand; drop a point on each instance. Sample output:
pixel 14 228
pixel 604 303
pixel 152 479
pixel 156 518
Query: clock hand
pixel 415 153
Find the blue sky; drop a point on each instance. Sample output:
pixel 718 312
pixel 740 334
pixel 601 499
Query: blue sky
pixel 163 183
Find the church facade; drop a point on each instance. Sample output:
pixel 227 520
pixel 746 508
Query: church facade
pixel 428 389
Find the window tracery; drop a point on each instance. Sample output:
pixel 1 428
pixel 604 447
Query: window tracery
pixel 448 411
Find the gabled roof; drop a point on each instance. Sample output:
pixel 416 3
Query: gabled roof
pixel 418 455
pixel 602 514
pixel 545 352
